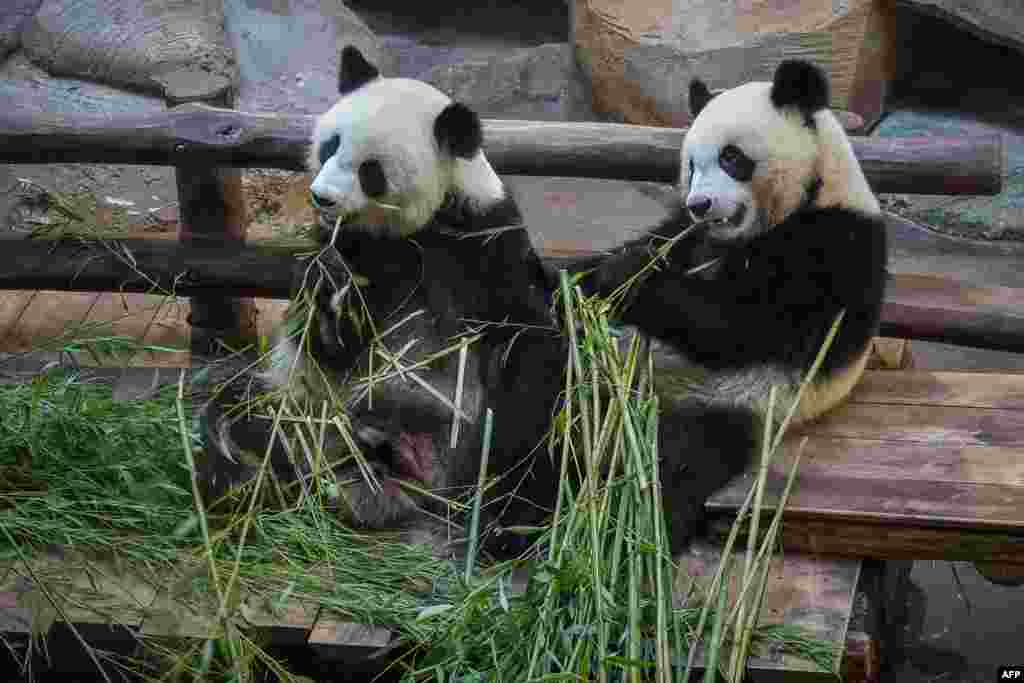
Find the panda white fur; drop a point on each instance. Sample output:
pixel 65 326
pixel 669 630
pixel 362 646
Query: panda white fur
pixel 794 236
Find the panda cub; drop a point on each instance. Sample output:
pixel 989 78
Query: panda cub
pixel 421 246
pixel 788 234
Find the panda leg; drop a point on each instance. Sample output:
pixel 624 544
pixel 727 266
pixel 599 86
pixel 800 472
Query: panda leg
pixel 702 447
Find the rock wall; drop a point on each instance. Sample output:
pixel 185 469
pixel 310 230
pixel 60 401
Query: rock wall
pixel 640 57
pixel 997 21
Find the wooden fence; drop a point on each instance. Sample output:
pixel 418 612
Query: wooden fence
pixel 212 260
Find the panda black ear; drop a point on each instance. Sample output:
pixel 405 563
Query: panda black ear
pixel 799 84
pixel 355 70
pixel 699 96
pixel 458 131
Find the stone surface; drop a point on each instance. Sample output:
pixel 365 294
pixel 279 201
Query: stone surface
pixel 640 57
pixel 1000 217
pixel 465 46
pixel 13 16
pixel 288 52
pixel 530 83
pixel 130 43
pixel 474 24
pixel 27 87
pixel 999 21
pixel 951 82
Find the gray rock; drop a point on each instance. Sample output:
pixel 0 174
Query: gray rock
pixel 26 87
pixel 140 44
pixel 997 218
pixel 414 56
pixel 13 16
pixel 640 57
pixel 529 83
pixel 998 21
pixel 662 71
pixel 288 52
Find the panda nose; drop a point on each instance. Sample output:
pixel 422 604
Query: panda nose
pixel 699 206
pixel 320 202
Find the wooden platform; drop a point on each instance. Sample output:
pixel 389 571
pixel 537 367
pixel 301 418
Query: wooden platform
pixel 808 591
pixel 917 465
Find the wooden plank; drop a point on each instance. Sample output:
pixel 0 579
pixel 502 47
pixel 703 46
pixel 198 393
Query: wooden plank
pixel 211 206
pixel 31 320
pixel 916 465
pixel 810 591
pixel 843 458
pixel 861 660
pixel 923 424
pixel 98 604
pixel 344 641
pixel 282 625
pixel 951 295
pixel 999 390
pixel 885 540
pixel 940 309
pixel 195 134
pixel 890 354
pixel 138 265
pixel 15 619
pixel 896 502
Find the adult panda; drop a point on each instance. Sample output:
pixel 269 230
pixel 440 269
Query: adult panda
pixel 421 244
pixel 788 234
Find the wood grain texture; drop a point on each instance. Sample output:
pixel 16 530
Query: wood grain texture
pixel 885 541
pixel 896 461
pixel 193 133
pixel 338 640
pixel 922 424
pixel 892 502
pixel 916 465
pixel 156 266
pixel 954 389
pixel 861 661
pixel 810 591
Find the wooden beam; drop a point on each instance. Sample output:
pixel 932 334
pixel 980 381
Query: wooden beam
pixel 862 539
pixel 211 205
pixel 197 268
pixel 194 133
pixel 916 306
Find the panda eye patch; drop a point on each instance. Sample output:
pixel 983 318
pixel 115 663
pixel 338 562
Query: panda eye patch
pixel 329 148
pixel 372 178
pixel 737 164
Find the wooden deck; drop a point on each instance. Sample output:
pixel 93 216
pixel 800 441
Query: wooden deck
pixel 917 465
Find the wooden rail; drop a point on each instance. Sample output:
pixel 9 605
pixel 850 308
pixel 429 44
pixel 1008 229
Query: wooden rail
pixel 916 306
pixel 194 133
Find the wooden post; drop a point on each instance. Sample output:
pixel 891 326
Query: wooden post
pixel 211 208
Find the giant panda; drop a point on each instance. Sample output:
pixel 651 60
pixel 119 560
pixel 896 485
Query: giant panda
pixel 776 234
pixel 420 237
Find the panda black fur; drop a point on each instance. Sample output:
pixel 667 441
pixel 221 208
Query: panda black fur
pixel 789 235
